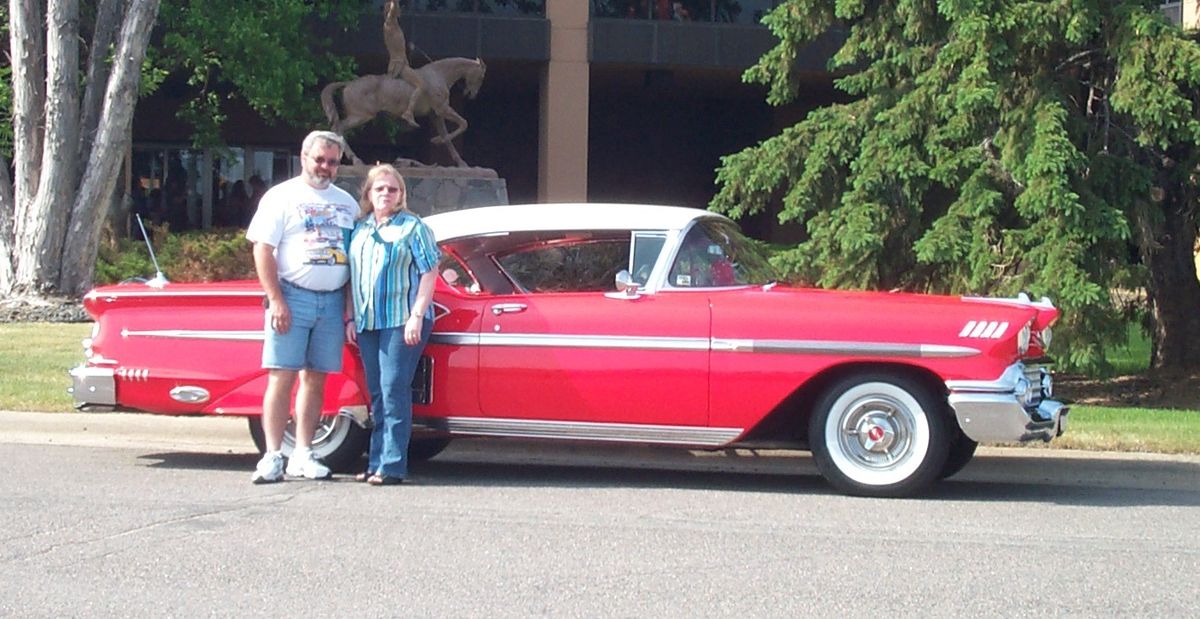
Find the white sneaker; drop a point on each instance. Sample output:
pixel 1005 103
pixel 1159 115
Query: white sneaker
pixel 269 469
pixel 302 464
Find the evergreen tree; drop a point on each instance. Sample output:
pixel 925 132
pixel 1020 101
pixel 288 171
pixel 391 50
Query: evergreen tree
pixel 993 147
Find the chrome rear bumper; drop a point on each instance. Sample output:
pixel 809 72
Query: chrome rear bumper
pixel 1011 408
pixel 93 388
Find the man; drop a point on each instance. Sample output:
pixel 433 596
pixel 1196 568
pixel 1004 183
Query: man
pixel 397 46
pixel 298 232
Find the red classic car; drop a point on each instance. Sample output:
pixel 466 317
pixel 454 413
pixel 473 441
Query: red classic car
pixel 624 323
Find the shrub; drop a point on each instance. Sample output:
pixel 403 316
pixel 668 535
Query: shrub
pixel 196 256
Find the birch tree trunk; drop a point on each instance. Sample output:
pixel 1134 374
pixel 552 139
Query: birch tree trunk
pixel 67 152
pixel 100 177
pixel 108 23
pixel 6 227
pixel 25 39
pixel 44 225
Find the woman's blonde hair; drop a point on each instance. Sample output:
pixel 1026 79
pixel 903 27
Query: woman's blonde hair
pixel 364 197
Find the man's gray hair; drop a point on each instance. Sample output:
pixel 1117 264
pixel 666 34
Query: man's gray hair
pixel 325 137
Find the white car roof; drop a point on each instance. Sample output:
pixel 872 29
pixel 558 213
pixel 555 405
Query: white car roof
pixel 548 217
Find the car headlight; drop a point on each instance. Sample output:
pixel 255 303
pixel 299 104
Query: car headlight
pixel 1024 337
pixel 1045 336
pixel 1025 392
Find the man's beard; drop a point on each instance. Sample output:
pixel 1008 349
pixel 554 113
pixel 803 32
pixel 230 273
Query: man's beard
pixel 317 181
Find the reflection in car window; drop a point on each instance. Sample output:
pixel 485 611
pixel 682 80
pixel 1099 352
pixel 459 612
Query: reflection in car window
pixel 714 253
pixel 456 275
pixel 646 248
pixel 577 267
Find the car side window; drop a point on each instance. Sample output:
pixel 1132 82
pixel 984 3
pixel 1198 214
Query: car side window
pixel 588 266
pixel 698 264
pixel 713 254
pixel 456 275
pixel 646 248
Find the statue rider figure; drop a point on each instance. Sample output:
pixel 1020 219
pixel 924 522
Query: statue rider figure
pixel 397 46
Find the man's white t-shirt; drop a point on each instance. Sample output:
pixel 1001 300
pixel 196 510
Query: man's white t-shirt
pixel 308 228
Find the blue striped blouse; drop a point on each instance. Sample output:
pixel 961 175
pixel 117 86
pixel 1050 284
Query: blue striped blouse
pixel 386 264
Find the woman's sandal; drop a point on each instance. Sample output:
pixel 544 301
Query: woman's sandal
pixel 363 476
pixel 384 480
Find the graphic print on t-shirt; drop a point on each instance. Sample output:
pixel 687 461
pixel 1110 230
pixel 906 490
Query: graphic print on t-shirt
pixel 323 225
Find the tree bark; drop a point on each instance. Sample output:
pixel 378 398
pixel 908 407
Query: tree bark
pixel 6 228
pixel 108 22
pixel 45 223
pixel 1174 290
pixel 79 256
pixel 25 39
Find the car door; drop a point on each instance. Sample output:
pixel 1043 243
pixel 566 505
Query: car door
pixel 592 356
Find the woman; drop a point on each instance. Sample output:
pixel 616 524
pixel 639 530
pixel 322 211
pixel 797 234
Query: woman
pixel 393 266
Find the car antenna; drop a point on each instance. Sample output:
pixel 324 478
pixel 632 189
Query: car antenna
pixel 159 280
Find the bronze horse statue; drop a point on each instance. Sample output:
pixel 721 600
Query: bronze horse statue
pixel 365 97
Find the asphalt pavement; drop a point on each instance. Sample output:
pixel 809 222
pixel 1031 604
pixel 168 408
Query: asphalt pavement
pixel 120 515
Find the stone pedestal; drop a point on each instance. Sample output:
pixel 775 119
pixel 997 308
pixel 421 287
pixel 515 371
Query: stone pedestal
pixel 437 189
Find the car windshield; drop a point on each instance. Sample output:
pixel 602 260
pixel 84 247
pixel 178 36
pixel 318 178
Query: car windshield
pixel 714 253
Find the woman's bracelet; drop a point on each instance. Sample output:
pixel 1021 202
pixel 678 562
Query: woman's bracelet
pixel 349 321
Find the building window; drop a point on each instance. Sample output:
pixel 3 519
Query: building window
pixel 515 8
pixel 747 12
pixel 198 189
pixel 1174 12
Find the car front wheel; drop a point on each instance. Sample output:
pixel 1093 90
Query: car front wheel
pixel 879 435
pixel 339 442
pixel 962 450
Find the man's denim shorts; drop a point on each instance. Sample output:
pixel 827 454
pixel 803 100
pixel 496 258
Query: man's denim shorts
pixel 315 340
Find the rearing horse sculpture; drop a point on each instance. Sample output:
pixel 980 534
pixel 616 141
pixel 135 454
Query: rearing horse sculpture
pixel 366 96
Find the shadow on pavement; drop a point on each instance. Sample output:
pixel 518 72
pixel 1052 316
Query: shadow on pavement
pixel 200 461
pixel 1080 481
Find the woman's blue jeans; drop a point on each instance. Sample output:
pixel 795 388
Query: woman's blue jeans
pixel 390 365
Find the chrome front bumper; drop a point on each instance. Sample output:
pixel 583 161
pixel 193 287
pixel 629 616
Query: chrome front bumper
pixel 1011 408
pixel 93 388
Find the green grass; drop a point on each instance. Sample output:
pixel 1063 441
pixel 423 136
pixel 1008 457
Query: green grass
pixel 35 357
pixel 1131 429
pixel 34 360
pixel 1134 356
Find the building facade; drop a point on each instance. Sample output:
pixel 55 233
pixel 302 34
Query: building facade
pixel 606 100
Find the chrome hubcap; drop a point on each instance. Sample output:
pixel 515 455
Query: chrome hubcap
pixel 329 434
pixel 876 432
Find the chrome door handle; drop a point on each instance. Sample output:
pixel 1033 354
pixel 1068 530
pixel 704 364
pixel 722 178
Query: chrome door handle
pixel 508 308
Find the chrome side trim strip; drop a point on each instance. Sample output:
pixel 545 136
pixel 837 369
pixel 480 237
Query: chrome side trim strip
pixel 586 431
pixel 593 341
pixel 196 334
pixel 159 293
pixel 455 339
pixel 818 347
pixel 811 347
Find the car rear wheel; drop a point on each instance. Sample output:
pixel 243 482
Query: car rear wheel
pixel 879 435
pixel 339 442
pixel 422 449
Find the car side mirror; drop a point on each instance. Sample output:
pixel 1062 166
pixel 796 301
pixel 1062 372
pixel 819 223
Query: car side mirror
pixel 626 286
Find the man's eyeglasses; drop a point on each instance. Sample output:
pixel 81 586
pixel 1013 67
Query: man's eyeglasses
pixel 385 189
pixel 331 162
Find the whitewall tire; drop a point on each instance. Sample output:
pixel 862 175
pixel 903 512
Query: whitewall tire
pixel 879 434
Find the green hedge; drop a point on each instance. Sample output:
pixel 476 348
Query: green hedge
pixel 211 255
